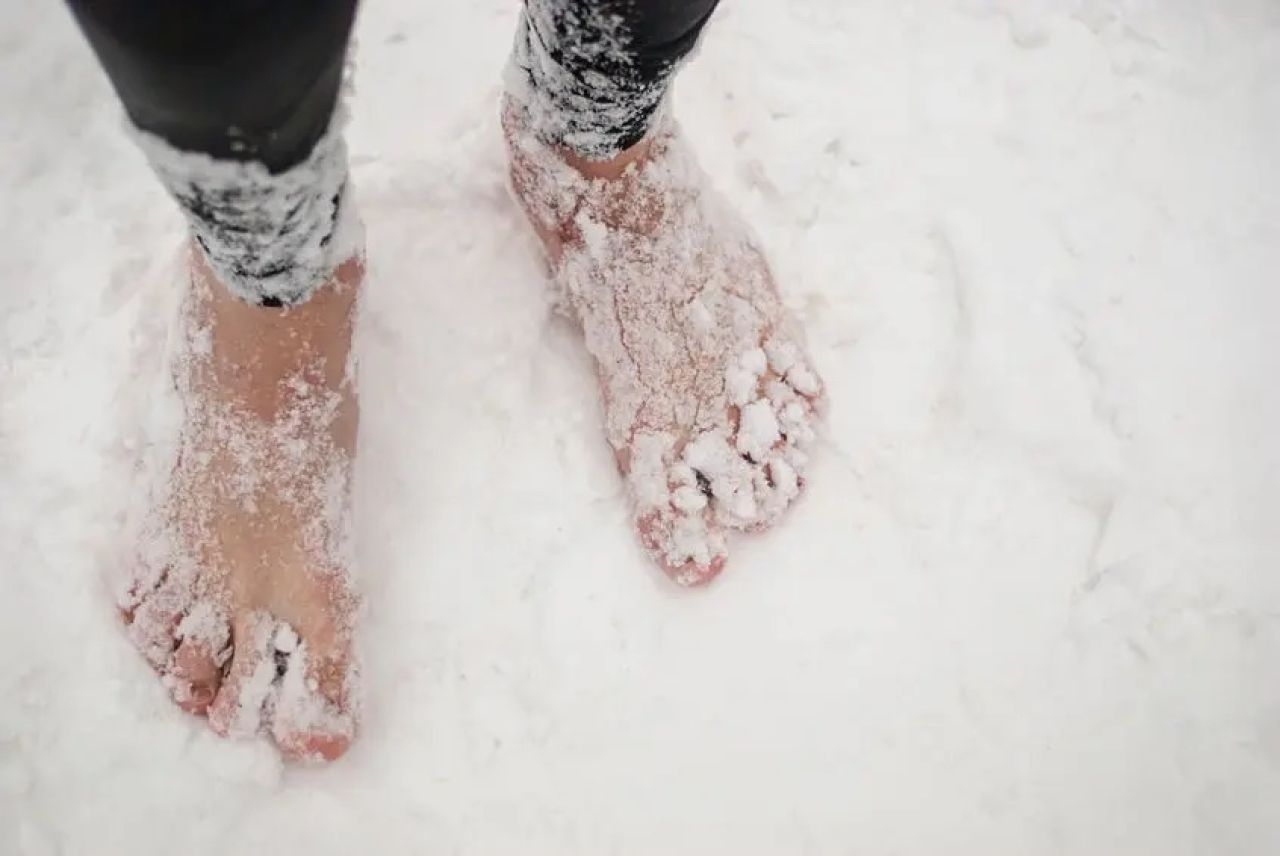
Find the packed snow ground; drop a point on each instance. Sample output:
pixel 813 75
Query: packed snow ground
pixel 1029 605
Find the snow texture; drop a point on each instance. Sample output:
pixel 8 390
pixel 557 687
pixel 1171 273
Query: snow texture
pixel 1028 603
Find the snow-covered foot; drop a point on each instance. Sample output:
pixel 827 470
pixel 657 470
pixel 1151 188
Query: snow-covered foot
pixel 709 399
pixel 241 596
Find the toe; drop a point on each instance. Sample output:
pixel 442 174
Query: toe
pixel 774 396
pixel 314 715
pixel 153 621
pixel 729 474
pixel 237 709
pixel 313 746
pixel 688 548
pixel 787 363
pixel 195 676
pixel 196 670
pixel 693 573
pixel 674 517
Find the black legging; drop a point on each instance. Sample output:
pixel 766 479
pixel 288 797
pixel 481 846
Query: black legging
pixel 253 84
pixel 257 80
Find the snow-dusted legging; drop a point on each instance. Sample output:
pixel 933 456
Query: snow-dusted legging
pixel 234 101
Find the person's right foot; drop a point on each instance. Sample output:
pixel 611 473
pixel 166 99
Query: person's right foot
pixel 241 597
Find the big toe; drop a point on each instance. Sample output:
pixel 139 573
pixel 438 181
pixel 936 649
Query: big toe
pixel 688 547
pixel 673 513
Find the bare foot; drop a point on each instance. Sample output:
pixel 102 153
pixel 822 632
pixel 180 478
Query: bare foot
pixel 242 597
pixel 709 399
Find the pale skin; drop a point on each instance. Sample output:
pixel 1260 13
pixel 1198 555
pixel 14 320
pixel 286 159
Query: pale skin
pixel 284 373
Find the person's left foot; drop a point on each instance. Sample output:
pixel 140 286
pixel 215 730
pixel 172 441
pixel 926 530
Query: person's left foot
pixel 709 398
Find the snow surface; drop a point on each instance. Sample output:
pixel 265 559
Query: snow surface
pixel 1029 604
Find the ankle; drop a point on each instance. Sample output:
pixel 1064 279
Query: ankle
pixel 259 358
pixel 518 129
pixel 615 167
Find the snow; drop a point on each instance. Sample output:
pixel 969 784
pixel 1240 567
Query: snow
pixel 1028 604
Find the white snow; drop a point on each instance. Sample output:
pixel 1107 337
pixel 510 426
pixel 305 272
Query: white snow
pixel 1028 604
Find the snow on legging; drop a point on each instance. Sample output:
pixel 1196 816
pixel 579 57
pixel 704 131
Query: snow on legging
pixel 234 102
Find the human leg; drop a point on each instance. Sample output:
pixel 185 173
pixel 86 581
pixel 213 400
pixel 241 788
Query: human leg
pixel 241 595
